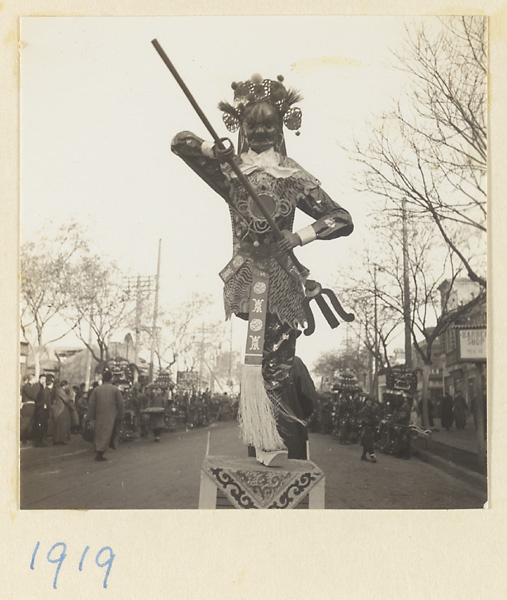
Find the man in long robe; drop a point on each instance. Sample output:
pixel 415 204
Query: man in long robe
pixel 106 408
pixel 42 410
pixel 29 393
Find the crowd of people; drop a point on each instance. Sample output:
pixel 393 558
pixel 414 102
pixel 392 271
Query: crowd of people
pixel 111 412
pixel 49 408
pixel 354 417
pixel 157 408
pixel 52 411
pixel 390 425
pixel 453 411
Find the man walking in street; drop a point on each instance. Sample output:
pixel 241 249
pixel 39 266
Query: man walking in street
pixel 29 393
pixel 446 411
pixel 369 419
pixel 106 408
pixel 41 414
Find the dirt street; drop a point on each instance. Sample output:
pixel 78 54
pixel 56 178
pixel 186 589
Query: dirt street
pixel 145 475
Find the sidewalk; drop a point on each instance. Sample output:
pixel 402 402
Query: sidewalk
pixel 454 452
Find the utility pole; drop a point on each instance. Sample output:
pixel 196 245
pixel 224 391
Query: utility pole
pixel 138 321
pixel 144 285
pixel 201 358
pixel 155 315
pixel 406 290
pixel 376 345
pixel 89 357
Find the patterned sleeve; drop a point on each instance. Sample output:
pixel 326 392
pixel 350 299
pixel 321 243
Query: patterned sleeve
pixel 187 146
pixel 331 220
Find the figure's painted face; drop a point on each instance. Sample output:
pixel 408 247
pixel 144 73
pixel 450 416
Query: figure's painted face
pixel 261 126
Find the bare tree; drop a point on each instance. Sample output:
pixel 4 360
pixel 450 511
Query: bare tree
pixel 226 370
pixel 431 149
pixel 47 267
pixel 100 299
pixel 179 335
pixel 430 264
pixel 376 323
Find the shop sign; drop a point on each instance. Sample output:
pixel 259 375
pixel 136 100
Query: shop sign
pixel 472 344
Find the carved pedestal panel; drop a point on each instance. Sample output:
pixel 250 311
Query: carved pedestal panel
pixel 248 484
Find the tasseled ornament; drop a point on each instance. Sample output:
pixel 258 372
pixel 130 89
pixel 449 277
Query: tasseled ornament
pixel 256 412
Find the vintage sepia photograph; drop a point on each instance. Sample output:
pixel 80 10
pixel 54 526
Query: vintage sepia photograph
pixel 253 262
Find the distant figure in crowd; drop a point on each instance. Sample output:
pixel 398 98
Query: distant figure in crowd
pixel 346 410
pixel 81 404
pixel 28 396
pixel 369 417
pixel 460 411
pixel 106 408
pixel 60 413
pixel 139 403
pixel 42 410
pixel 71 406
pixel 446 411
pixel 402 418
pixel 157 420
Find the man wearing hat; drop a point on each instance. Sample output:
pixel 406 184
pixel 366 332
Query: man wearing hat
pixel 106 408
pixel 41 414
pixel 29 393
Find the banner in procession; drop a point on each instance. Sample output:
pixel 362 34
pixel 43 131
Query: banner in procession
pixel 187 379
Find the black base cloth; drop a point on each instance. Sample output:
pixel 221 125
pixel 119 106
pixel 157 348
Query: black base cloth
pixel 299 396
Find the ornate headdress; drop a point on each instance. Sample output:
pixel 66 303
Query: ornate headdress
pixel 257 89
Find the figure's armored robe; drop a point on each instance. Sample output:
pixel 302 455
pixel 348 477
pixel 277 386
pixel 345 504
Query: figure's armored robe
pixel 283 186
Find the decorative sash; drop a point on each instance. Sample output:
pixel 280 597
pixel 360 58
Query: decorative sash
pixel 257 317
pixel 257 417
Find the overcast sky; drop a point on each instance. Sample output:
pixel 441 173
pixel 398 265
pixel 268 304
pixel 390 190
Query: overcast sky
pixel 99 109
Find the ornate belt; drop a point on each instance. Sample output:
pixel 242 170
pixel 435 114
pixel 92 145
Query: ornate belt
pixel 260 255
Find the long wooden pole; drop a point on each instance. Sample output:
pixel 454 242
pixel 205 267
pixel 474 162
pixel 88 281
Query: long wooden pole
pixel 228 155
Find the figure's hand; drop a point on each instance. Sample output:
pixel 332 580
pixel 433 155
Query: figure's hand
pixel 224 150
pixel 290 240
